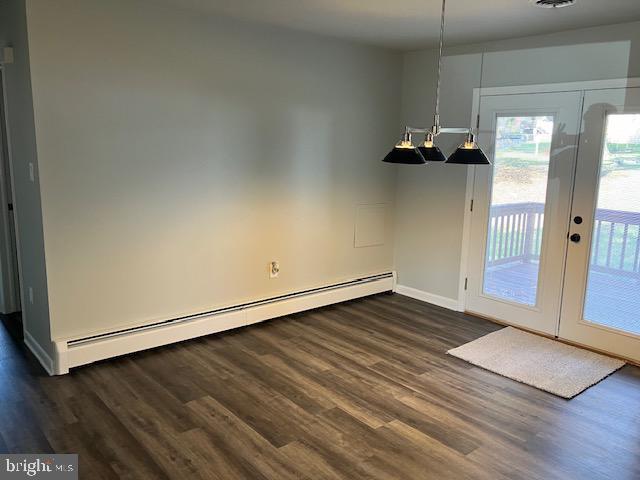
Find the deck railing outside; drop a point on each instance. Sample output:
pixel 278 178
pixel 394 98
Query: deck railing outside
pixel 515 235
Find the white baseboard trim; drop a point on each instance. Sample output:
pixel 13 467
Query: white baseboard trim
pixel 43 357
pixel 446 302
pixel 73 353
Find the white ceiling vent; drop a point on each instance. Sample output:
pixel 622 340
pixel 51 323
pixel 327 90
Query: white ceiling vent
pixel 552 3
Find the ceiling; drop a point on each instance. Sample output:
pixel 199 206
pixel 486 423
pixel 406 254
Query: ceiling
pixel 411 24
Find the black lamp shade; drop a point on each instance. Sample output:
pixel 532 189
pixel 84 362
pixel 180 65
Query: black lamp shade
pixel 407 156
pixel 432 154
pixel 468 156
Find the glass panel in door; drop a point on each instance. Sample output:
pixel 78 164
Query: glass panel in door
pixel 613 288
pixel 516 213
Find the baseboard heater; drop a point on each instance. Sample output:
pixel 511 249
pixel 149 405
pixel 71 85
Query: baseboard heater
pixel 82 351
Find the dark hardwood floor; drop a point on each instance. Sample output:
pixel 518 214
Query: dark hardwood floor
pixel 361 390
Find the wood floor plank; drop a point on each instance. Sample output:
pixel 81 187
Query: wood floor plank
pixel 267 411
pixel 320 385
pixel 260 372
pixel 111 440
pixel 358 390
pixel 225 428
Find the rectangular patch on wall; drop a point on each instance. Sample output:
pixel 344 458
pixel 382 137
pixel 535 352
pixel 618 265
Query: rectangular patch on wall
pixel 370 225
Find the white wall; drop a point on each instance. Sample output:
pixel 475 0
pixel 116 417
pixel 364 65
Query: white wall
pixel 179 154
pixel 13 31
pixel 431 201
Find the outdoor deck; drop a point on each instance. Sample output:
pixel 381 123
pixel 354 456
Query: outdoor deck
pixel 513 254
pixel 613 300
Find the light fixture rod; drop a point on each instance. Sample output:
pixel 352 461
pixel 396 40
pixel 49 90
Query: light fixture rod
pixel 440 130
pixel 454 130
pixel 437 111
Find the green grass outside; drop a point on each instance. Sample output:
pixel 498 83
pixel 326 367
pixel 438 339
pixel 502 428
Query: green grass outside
pixel 624 148
pixel 622 156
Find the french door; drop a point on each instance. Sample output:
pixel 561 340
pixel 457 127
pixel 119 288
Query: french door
pixel 521 206
pixel 555 227
pixel 601 300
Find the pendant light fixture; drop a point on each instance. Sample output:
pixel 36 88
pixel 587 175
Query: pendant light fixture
pixel 429 151
pixel 405 152
pixel 469 153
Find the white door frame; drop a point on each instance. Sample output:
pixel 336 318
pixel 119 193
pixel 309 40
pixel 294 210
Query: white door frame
pixel 514 90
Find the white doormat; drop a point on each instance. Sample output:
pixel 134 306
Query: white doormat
pixel 543 363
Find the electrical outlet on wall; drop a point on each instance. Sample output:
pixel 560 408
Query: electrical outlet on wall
pixel 274 269
pixel 30 290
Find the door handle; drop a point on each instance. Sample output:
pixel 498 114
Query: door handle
pixel 575 238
